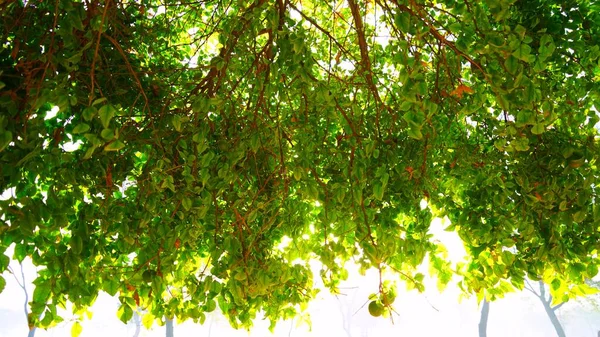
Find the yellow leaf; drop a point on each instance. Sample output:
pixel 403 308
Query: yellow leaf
pixel 76 329
pixel 148 320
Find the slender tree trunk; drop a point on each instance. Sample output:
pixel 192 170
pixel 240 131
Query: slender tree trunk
pixel 137 322
pixel 212 319
pixel 170 327
pixel 547 303
pixel 550 310
pixel 555 322
pixel 22 284
pixel 483 320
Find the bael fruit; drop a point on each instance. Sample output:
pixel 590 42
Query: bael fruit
pixel 147 275
pixel 375 309
pixel 389 298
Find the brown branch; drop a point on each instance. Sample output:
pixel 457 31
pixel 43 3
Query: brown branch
pixel 367 225
pixel 209 81
pixel 323 30
pixel 129 67
pixel 364 55
pixel 362 42
pixel 354 132
pixel 416 13
pixel 93 67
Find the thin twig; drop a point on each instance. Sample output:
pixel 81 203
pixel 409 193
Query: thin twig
pixel 93 67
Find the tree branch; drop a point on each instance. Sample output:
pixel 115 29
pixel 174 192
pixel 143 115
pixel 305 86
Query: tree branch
pixel 529 287
pixel 364 55
pixel 323 30
pixel 22 285
pixel 543 292
pixel 556 307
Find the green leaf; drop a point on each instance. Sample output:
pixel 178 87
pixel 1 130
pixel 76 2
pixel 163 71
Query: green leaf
pixel 415 133
pixel 107 134
pixel 106 113
pixel 538 129
pixel 579 216
pixel 215 287
pixel 76 329
pixel 125 313
pixel 414 118
pixel 567 152
pixel 41 293
pixel 523 52
pixel 5 139
pixel 98 101
pixel 2 283
pixel 563 206
pixel 187 203
pixel 402 20
pixel 555 284
pixel 115 145
pixel 4 262
pixel 520 30
pixel 512 64
pixel 76 244
pixel 378 191
pixel 89 152
pixel 111 286
pixel 89 113
pixel 81 128
pixel 20 252
pixel 211 305
pixel 177 122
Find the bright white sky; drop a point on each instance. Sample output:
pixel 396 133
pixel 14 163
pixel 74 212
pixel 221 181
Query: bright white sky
pixel 428 314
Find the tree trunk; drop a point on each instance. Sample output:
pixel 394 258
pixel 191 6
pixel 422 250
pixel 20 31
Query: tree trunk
pixel 170 327
pixel 22 283
pixel 485 311
pixel 551 311
pixel 137 322
pixel 555 322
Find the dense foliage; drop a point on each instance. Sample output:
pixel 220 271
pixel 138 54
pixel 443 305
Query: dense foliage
pixel 189 154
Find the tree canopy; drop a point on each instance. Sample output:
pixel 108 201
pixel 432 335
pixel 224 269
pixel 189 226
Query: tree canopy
pixel 189 154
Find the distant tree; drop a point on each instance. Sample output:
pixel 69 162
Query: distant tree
pixel 546 298
pixel 170 327
pixel 483 320
pixel 345 304
pixel 23 284
pixel 590 302
pixel 138 323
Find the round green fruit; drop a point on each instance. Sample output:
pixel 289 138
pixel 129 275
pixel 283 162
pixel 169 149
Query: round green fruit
pixel 389 298
pixel 375 309
pixel 147 275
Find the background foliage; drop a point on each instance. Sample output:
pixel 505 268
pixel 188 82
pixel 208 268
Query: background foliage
pixel 203 152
